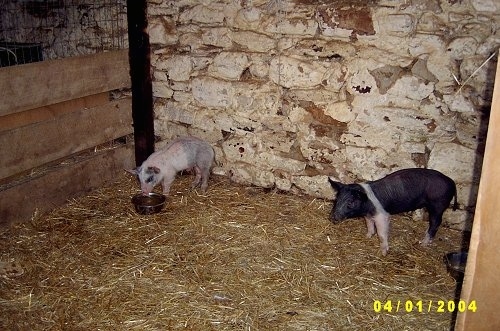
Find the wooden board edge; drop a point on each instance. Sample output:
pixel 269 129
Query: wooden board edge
pixel 42 194
pixel 62 80
pixel 50 112
pixel 481 289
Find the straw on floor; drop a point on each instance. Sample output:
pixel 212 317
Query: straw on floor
pixel 236 258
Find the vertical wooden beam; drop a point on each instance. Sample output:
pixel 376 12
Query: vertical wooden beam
pixel 140 74
pixel 482 279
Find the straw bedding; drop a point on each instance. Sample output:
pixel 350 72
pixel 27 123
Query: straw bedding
pixel 237 258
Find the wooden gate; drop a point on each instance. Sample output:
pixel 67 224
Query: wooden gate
pixel 58 130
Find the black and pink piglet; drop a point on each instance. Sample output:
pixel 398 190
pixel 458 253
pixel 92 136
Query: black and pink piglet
pixel 402 191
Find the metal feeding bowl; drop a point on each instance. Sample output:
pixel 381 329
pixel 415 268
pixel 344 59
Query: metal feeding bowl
pixel 148 204
pixel 455 263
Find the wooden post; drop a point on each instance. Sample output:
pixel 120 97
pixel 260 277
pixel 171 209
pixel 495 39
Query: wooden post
pixel 481 288
pixel 140 74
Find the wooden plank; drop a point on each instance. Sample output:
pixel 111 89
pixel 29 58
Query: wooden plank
pixel 51 189
pixel 16 120
pixel 482 279
pixel 44 83
pixel 33 145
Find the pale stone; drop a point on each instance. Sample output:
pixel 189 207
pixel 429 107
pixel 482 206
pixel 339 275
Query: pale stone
pixel 190 41
pixel 458 220
pixel 291 26
pixel 255 99
pixel 424 44
pixel 263 178
pixel 251 14
pixel 340 111
pixel 202 14
pixel 229 65
pixel 340 33
pixel 375 163
pixel 335 77
pixel 317 95
pixel 300 116
pixel 160 76
pixel 241 175
pixel 240 149
pixel 212 92
pixel 462 47
pixel 259 69
pixel 291 73
pixel 169 130
pixel 162 90
pixel 248 18
pixel 458 103
pixel 455 161
pixel 219 37
pixel 440 65
pixel 412 88
pixel 321 150
pixel 280 141
pixel 395 24
pixel 324 49
pixel 201 62
pixel 361 82
pixel 277 162
pixel 250 175
pixel 254 42
pixel 316 186
pixel 429 22
pixel 420 70
pixel 158 33
pixel 489 45
pixel 181 87
pixel 486 5
pixel 178 67
pixel 283 184
pixel 172 111
pixel 413 147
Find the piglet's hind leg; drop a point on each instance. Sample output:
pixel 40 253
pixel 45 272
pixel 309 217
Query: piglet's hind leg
pixel 197 179
pixel 370 225
pixel 205 173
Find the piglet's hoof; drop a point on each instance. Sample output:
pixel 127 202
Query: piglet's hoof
pixel 426 241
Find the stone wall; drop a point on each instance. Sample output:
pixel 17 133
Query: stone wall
pixel 290 92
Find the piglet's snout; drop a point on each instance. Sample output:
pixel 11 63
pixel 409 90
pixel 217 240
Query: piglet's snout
pixel 336 217
pixel 146 190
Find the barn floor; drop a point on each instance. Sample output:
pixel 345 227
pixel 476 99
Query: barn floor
pixel 237 258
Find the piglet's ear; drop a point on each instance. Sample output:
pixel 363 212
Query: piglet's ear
pixel 134 172
pixel 336 185
pixel 156 170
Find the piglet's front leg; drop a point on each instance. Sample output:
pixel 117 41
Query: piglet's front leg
pixel 382 225
pixel 167 181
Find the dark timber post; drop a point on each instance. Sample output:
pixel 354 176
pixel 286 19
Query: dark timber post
pixel 140 74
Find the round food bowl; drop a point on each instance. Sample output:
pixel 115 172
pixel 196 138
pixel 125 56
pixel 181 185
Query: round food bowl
pixel 455 263
pixel 147 204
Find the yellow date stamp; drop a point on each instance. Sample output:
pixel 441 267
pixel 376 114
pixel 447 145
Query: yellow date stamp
pixel 422 306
